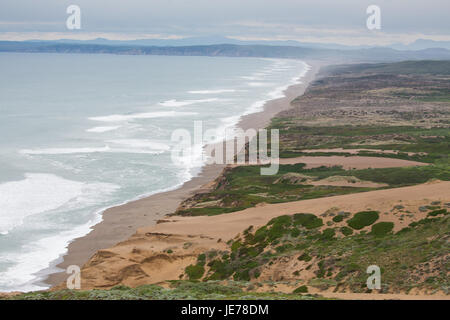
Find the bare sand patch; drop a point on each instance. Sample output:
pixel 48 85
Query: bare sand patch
pixel 347 181
pixel 358 150
pixel 372 142
pixel 353 162
pixel 337 181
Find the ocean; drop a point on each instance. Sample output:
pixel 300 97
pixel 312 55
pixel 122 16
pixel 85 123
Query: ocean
pixel 80 133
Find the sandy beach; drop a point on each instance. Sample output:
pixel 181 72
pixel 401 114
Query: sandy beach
pixel 121 222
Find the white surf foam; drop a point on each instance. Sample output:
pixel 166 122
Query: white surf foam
pixel 278 92
pixel 147 115
pixel 105 149
pixel 213 91
pixel 256 106
pixel 176 103
pixel 48 192
pixel 64 150
pixel 36 256
pixel 35 194
pixel 141 143
pixel 259 84
pixel 102 129
pixel 251 78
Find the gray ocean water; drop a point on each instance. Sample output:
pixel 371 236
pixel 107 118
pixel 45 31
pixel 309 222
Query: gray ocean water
pixel 81 133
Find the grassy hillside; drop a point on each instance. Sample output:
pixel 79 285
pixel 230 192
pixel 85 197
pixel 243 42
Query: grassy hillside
pixel 338 253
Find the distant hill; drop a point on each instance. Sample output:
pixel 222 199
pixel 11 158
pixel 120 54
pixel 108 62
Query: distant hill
pixel 421 44
pixel 377 54
pixel 200 41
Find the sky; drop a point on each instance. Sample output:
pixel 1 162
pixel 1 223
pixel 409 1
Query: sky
pixel 321 21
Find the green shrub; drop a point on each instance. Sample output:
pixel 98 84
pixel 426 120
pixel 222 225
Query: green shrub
pixel 276 231
pixel 405 230
pixel 281 221
pixel 194 272
pixel 346 231
pixel 338 218
pixel 277 227
pixel 327 234
pixel 382 228
pixel 212 254
pixel 437 212
pixel 424 221
pixel 236 245
pixel 284 248
pixel 363 219
pixel 307 220
pixel 304 257
pixel 221 270
pixel 243 275
pixel 301 289
pixel 260 235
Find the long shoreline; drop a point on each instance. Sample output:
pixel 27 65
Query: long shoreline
pixel 121 222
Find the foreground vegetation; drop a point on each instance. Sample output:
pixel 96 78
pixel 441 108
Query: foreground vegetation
pixel 178 290
pixel 338 253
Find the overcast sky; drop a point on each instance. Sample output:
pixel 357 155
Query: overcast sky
pixel 339 21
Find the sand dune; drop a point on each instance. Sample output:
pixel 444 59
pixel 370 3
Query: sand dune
pixel 161 252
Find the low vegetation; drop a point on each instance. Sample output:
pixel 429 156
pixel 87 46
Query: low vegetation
pixel 382 228
pixel 414 257
pixel 178 290
pixel 363 219
pixel 243 187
